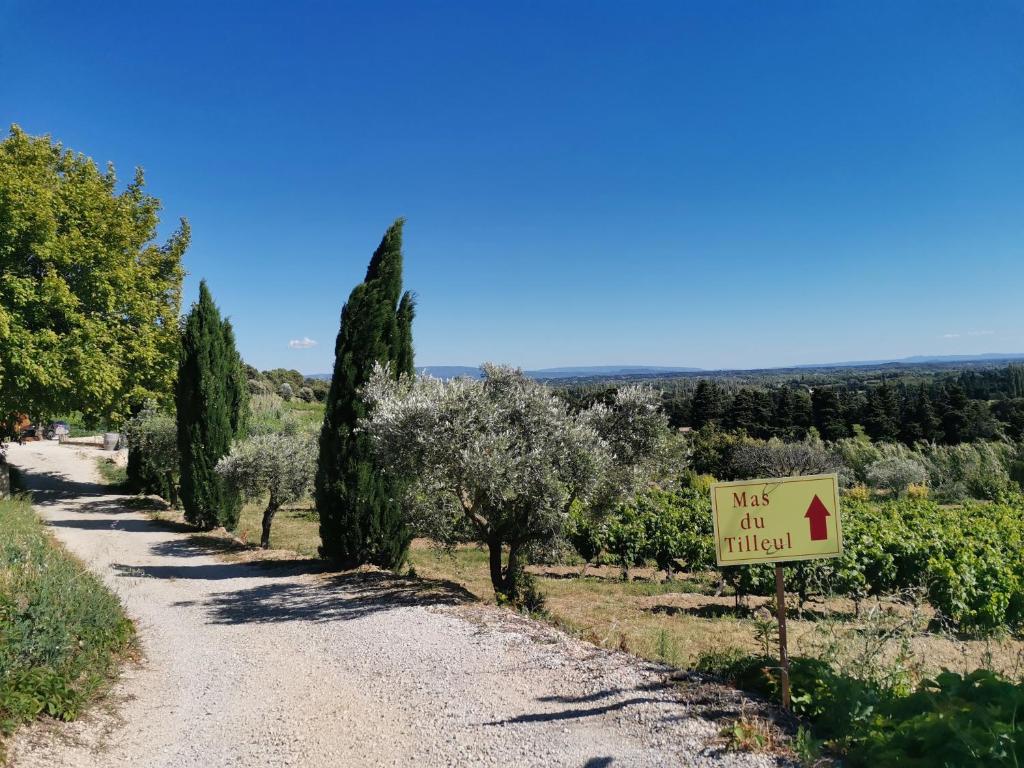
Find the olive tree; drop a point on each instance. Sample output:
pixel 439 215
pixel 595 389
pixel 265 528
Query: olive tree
pixel 279 465
pixel 775 458
pixel 504 456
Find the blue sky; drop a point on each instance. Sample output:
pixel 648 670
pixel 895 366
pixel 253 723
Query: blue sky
pixel 714 184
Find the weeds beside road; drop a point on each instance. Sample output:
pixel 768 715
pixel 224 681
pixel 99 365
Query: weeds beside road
pixel 61 631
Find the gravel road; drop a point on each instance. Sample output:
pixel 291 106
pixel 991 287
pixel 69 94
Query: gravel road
pixel 252 665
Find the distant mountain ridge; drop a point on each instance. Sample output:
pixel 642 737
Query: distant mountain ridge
pixel 453 371
pixel 591 371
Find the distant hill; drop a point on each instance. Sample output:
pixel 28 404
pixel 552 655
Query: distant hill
pixel 586 371
pixel 985 357
pixel 451 371
pixel 648 371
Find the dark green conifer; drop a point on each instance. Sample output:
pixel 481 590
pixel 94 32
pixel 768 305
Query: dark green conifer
pixel 208 410
pixel 361 517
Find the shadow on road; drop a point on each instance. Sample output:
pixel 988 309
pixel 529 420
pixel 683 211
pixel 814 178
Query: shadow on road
pixel 52 488
pixel 576 714
pixel 340 597
pixel 223 571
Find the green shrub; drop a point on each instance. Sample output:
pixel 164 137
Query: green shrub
pixel 949 721
pixel 61 630
pixel 627 537
pixel 153 462
pixel 586 534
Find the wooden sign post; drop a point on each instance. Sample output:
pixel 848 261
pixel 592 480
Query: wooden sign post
pixel 780 599
pixel 777 520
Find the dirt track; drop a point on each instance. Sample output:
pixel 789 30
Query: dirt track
pixel 250 665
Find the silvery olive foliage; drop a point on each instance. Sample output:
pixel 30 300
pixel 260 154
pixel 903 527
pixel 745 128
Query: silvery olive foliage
pixel 775 458
pixel 505 457
pixel 279 465
pixel 896 473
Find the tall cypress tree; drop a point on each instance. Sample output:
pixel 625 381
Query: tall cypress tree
pixel 360 512
pixel 208 410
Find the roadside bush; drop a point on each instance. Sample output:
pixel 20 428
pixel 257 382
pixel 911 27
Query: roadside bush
pixel 61 630
pixel 969 721
pixel 153 463
pixel 306 394
pixel 286 392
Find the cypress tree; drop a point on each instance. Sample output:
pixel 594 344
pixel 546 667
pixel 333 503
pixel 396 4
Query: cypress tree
pixel 361 517
pixel 208 409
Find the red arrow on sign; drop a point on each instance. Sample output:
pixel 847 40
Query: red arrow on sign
pixel 818 513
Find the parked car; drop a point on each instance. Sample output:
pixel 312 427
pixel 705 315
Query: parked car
pixel 28 432
pixel 57 428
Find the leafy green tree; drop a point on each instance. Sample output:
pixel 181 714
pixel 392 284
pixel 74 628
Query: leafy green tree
pixel 209 403
pixel 89 302
pixel 361 518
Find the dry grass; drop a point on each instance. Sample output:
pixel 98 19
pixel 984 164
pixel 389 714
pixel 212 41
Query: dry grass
pixel 674 622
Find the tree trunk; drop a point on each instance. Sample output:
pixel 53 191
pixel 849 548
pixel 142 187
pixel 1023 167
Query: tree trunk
pixel 512 571
pixel 268 518
pixel 494 561
pixel 172 490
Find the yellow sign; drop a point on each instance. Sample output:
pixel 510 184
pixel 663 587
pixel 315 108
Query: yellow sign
pixel 771 521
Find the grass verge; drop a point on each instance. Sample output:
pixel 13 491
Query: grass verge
pixel 112 473
pixel 62 633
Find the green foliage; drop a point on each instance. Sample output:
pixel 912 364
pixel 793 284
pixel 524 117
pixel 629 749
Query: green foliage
pixel 627 537
pixel 61 630
pixel 211 398
pixel 89 302
pixel 585 533
pixel 949 721
pixel 153 460
pixel 699 484
pixel 280 466
pixel 113 474
pixel 361 517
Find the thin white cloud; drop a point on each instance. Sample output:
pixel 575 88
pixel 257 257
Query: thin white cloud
pixel 304 343
pixel 969 333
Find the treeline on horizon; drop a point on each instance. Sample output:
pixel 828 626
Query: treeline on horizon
pixel 948 406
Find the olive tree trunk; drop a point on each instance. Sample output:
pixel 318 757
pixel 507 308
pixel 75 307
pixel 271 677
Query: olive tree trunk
pixel 268 519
